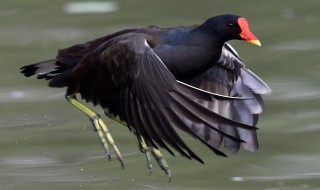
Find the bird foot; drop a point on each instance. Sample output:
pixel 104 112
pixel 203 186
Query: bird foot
pixel 144 149
pixel 157 155
pixel 106 138
pixel 100 127
pixel 161 162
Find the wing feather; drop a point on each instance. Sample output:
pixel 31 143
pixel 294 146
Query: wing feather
pixel 229 77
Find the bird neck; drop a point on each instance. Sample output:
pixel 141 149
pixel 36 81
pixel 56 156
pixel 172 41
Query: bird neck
pixel 208 36
pixel 187 53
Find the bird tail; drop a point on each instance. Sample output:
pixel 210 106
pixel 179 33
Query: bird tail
pixel 52 70
pixel 45 69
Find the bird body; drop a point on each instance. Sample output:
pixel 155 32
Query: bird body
pixel 158 79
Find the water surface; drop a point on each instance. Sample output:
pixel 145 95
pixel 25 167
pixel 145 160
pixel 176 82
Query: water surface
pixel 47 144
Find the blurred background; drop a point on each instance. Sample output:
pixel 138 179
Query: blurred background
pixel 48 144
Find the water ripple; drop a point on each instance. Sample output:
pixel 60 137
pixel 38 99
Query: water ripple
pixel 30 95
pixel 289 90
pixel 30 161
pixel 279 177
pixel 297 45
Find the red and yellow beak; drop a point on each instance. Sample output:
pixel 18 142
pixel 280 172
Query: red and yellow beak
pixel 246 34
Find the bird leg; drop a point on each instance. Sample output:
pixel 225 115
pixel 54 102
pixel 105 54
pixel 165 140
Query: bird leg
pixel 99 126
pixel 149 150
pixel 146 149
pixel 161 161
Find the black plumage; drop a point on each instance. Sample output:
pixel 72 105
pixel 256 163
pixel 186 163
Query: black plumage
pixel 159 79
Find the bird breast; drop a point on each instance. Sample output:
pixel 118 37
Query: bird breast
pixel 186 61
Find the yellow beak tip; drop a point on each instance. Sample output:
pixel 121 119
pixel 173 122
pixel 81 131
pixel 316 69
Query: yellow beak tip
pixel 255 42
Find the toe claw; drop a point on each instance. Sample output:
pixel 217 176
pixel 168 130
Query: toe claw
pixel 109 156
pixel 168 173
pixel 150 168
pixel 121 163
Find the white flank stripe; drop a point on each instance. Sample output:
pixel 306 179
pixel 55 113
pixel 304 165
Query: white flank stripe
pixel 219 95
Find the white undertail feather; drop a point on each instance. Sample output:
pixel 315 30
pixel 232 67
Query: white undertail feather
pixel 46 67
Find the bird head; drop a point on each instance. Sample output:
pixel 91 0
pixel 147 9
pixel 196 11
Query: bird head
pixel 229 27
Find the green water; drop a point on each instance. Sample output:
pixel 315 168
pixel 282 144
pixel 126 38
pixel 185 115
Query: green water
pixel 47 144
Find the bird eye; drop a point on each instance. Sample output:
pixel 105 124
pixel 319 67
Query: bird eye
pixel 231 25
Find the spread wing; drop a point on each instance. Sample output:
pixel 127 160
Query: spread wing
pixel 230 77
pixel 127 78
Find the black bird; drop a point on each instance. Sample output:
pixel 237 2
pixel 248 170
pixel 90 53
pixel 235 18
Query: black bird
pixel 155 80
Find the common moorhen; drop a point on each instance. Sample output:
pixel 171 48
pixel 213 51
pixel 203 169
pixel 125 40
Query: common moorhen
pixel 155 80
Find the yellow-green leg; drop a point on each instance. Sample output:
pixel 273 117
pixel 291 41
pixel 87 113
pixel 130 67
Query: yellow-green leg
pixel 157 155
pixel 147 150
pixel 99 125
pixel 161 161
